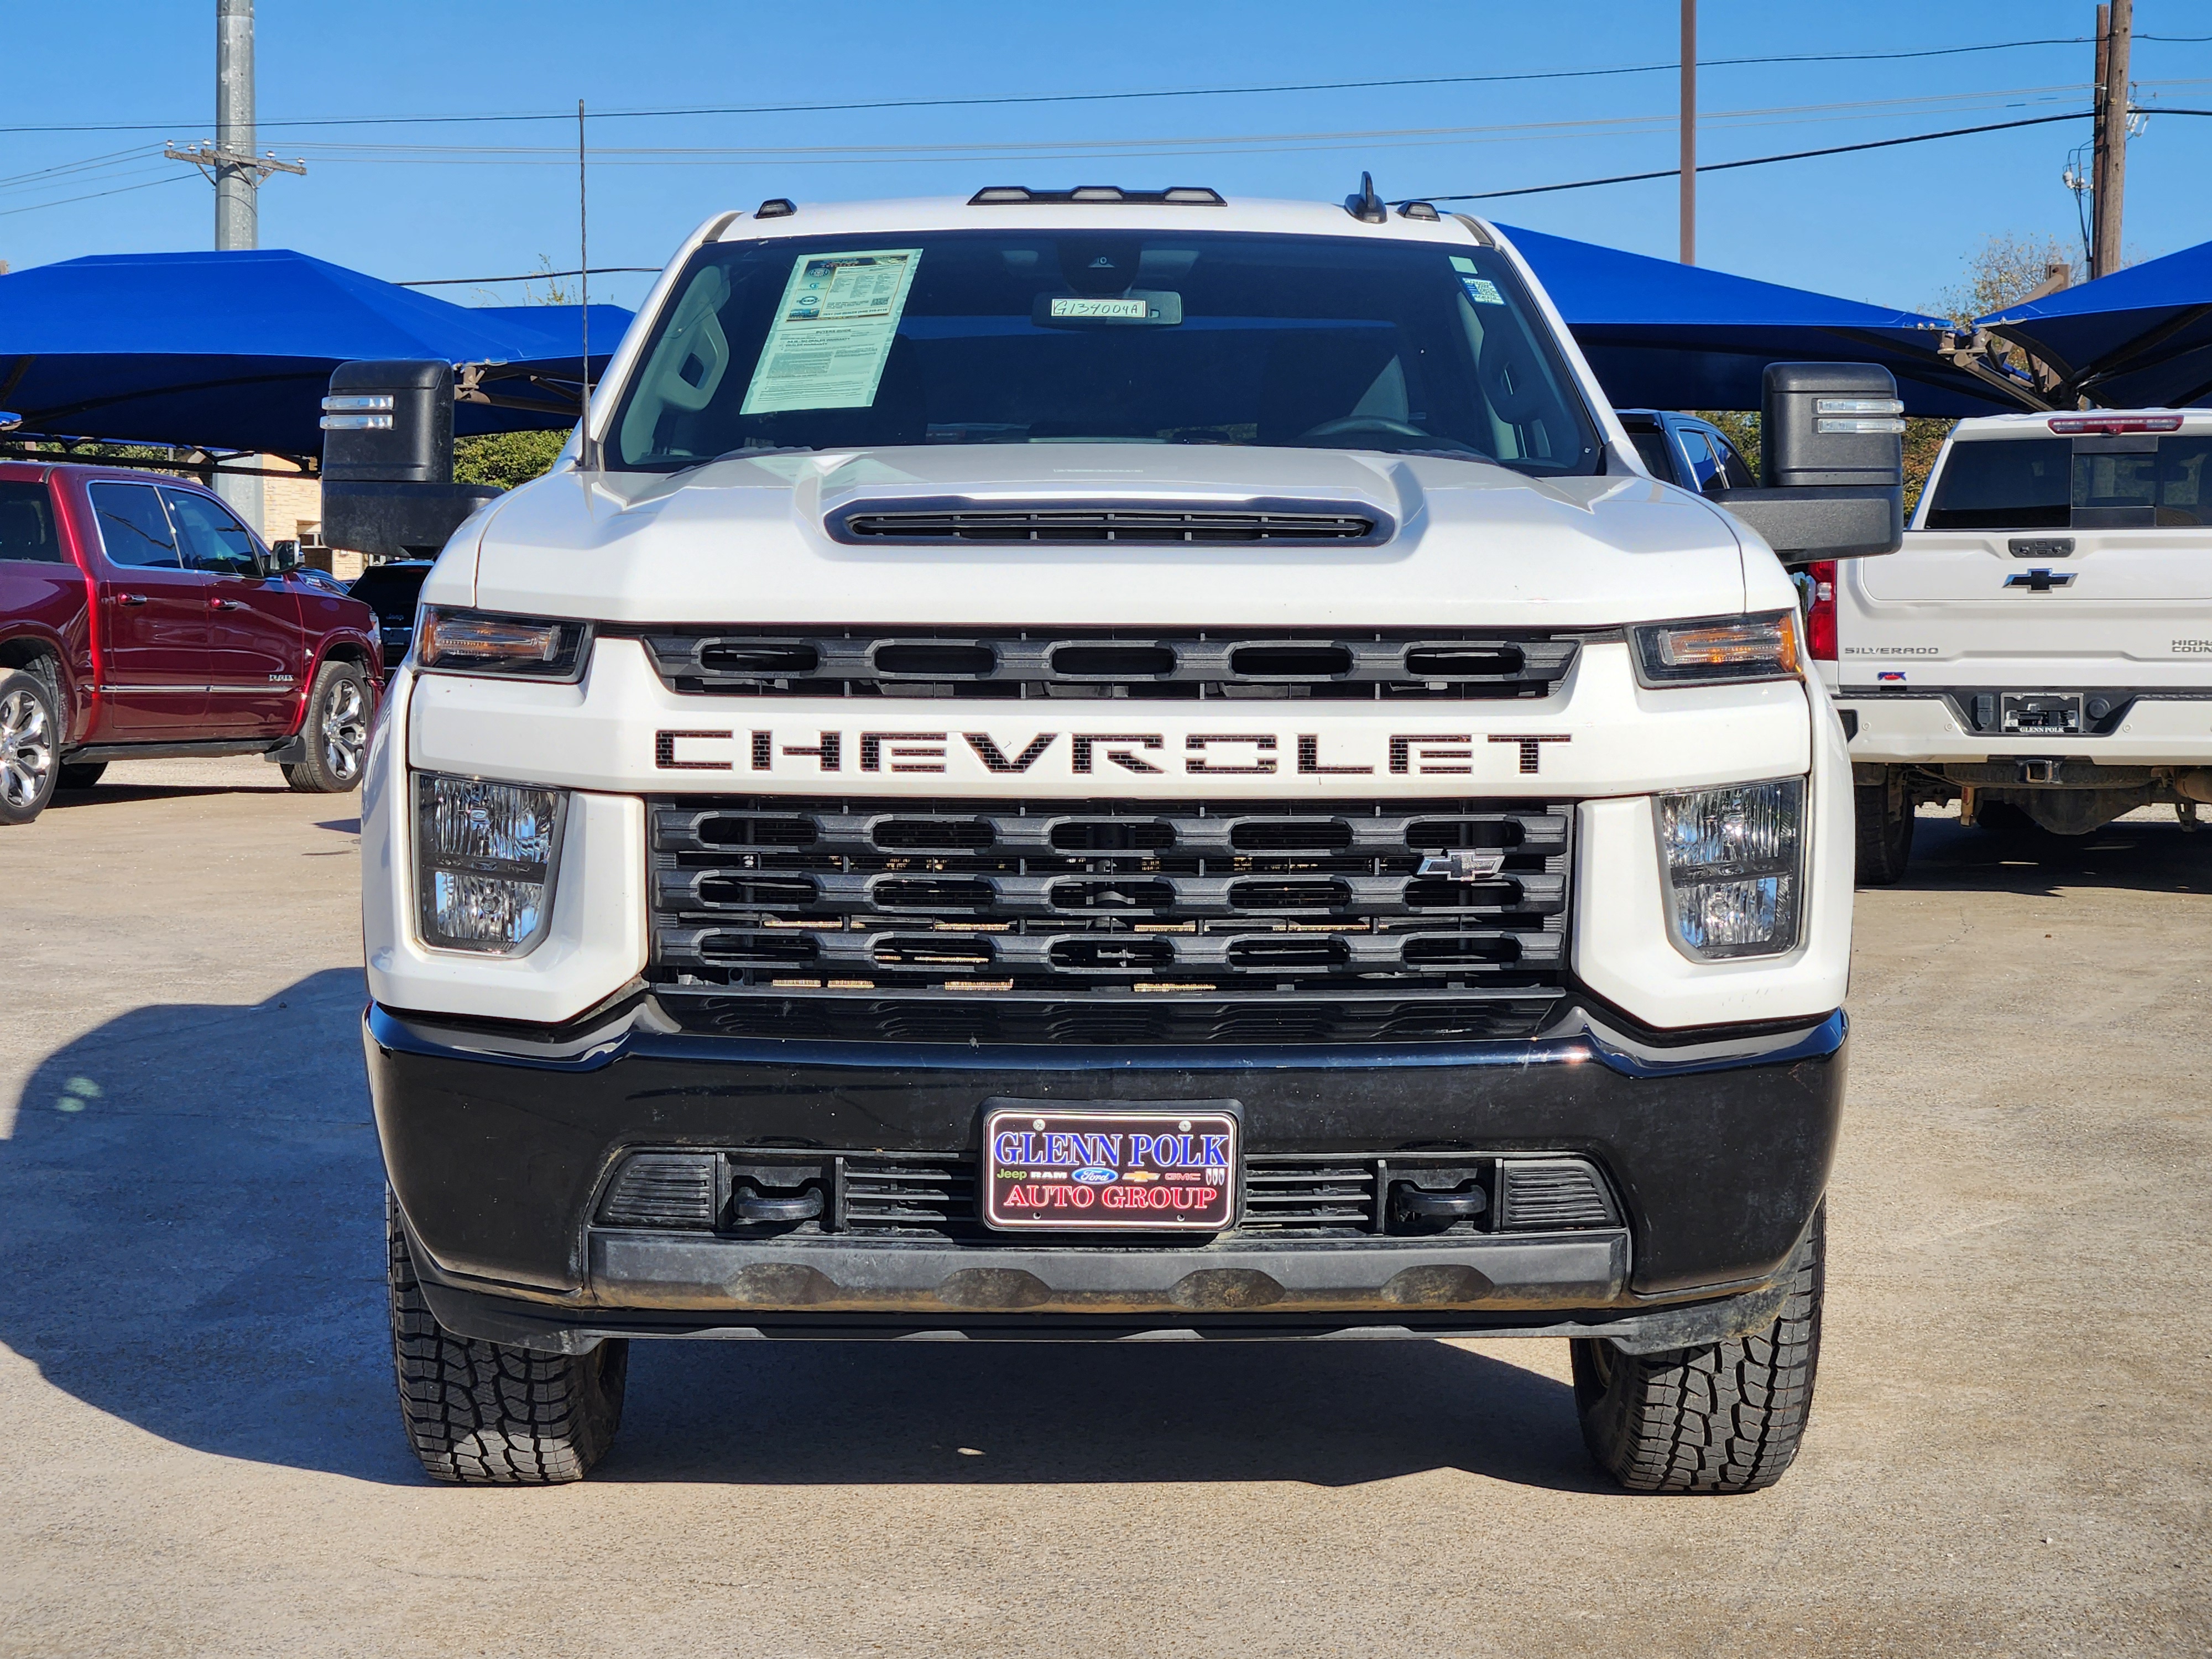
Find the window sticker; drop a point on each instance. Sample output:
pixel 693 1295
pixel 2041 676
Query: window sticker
pixel 1482 290
pixel 833 331
pixel 1465 266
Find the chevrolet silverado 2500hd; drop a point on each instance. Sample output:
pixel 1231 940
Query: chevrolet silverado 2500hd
pixel 1108 763
pixel 2040 651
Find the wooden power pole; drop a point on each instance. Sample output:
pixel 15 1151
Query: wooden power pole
pixel 2114 29
pixel 1689 125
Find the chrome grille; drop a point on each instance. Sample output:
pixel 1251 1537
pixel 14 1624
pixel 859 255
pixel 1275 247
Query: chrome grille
pixel 1050 922
pixel 1362 666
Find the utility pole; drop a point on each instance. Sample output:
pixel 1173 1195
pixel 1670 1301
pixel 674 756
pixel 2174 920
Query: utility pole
pixel 2115 31
pixel 237 173
pixel 1689 125
pixel 230 160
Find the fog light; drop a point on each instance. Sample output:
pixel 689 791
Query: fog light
pixel 485 857
pixel 1735 867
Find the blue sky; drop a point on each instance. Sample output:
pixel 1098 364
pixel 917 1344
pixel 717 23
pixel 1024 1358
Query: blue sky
pixel 480 199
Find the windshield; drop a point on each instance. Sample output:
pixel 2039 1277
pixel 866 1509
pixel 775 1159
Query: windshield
pixel 2060 483
pixel 1043 337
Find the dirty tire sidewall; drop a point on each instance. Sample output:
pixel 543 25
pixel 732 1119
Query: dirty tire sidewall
pixel 493 1413
pixel 334 737
pixel 30 745
pixel 1727 1416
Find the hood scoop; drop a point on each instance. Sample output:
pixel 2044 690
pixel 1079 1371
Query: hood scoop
pixel 902 520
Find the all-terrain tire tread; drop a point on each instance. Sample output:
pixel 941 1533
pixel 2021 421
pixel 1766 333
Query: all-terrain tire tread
pixel 491 1413
pixel 1725 1418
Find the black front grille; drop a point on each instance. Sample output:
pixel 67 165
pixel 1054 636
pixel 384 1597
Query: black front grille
pixel 1367 665
pixel 934 1195
pixel 988 922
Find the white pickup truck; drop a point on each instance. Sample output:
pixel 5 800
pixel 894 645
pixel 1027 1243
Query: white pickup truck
pixel 1114 764
pixel 2041 649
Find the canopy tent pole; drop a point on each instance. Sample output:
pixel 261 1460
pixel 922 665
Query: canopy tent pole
pixel 1689 132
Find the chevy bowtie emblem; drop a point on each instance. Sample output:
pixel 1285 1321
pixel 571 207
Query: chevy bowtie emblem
pixel 2041 581
pixel 1463 867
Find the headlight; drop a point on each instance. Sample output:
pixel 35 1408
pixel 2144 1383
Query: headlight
pixel 1721 649
pixel 512 647
pixel 1734 859
pixel 485 858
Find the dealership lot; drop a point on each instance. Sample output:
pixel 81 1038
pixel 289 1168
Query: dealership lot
pixel 2008 1454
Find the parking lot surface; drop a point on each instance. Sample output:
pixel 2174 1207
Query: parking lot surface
pixel 203 1456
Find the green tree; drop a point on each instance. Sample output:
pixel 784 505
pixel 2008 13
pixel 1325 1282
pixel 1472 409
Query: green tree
pixel 506 458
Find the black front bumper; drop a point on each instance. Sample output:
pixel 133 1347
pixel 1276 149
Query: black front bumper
pixel 499 1145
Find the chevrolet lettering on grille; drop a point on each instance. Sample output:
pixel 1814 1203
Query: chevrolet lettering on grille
pixel 775 751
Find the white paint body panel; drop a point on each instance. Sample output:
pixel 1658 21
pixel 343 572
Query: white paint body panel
pixel 742 543
pixel 2135 613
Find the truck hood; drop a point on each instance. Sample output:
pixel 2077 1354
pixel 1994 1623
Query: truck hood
pixel 1475 544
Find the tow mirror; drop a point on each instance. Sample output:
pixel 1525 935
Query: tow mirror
pixel 388 488
pixel 1830 463
pixel 278 558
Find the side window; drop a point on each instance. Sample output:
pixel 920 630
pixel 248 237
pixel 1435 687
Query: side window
pixel 1704 469
pixel 1658 461
pixel 213 540
pixel 1734 467
pixel 133 529
pixel 26 523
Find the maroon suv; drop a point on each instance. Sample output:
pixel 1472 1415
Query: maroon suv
pixel 139 619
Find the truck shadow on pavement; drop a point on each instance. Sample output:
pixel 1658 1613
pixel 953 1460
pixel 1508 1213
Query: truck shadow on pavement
pixel 2144 855
pixel 190 1212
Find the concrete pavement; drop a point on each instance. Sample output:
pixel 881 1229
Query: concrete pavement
pixel 203 1455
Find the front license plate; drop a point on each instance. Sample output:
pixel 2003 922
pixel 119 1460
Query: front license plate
pixel 1050 1169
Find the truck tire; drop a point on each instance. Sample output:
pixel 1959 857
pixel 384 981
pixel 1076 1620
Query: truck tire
pixel 492 1413
pixel 1726 1417
pixel 1884 829
pixel 83 775
pixel 334 737
pixel 30 746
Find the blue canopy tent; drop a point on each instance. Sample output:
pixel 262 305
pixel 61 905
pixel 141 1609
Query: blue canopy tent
pixel 1666 336
pixel 2139 338
pixel 234 351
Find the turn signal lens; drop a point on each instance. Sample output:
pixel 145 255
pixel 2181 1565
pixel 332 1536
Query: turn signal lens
pixel 1761 647
pixel 1735 868
pixel 485 858
pixel 483 642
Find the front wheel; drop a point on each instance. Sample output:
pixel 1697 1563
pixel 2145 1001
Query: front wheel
pixel 1724 1417
pixel 83 775
pixel 334 737
pixel 492 1413
pixel 30 755
pixel 1884 829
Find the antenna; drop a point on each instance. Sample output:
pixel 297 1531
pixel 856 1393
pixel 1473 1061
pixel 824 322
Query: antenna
pixel 586 459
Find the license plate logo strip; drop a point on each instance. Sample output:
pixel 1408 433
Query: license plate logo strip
pixel 1111 1171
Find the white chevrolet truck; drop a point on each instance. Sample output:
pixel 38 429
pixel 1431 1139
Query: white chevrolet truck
pixel 1116 765
pixel 2040 651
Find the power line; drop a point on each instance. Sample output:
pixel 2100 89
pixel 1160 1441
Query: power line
pixel 1763 160
pixel 999 99
pixel 527 276
pixel 172 178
